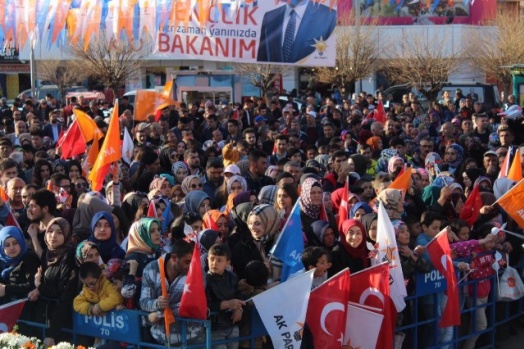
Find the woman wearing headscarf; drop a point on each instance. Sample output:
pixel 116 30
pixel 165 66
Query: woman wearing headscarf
pixel 393 202
pixel 143 245
pixel 325 233
pixel 131 204
pixel 233 185
pixel 87 251
pixel 502 186
pixel 57 283
pixel 218 221
pixel 311 208
pixel 375 143
pixel 263 223
pixel 359 210
pixel 267 195
pixel 167 157
pixel 191 183
pixel 89 206
pixel 370 223
pixel 241 231
pixel 245 196
pixel 468 178
pixel 351 252
pixel 395 166
pixel 103 233
pixel 433 164
pixel 18 266
pixel 453 157
pixel 206 239
pixel 161 185
pixel 180 171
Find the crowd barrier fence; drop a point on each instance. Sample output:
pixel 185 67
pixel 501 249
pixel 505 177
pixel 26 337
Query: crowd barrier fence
pixel 126 325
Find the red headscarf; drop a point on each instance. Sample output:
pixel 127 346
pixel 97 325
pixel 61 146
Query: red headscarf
pixel 355 252
pixel 209 221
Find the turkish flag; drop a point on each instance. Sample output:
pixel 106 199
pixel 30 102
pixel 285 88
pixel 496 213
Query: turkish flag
pixel 9 314
pixel 151 211
pixel 472 207
pixel 370 287
pixel 72 143
pixel 194 302
pixel 343 212
pixel 11 221
pixel 327 311
pixel 380 113
pixel 440 255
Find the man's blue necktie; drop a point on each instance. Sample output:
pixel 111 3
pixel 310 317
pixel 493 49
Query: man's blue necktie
pixel 289 37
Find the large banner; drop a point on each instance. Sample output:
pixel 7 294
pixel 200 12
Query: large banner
pixel 298 32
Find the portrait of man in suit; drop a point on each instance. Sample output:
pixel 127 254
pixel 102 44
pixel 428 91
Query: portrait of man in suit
pixel 289 32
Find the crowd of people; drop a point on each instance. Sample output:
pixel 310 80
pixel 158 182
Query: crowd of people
pixel 228 176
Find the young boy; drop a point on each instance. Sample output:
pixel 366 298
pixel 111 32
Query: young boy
pixel 98 295
pixel 221 286
pixel 317 258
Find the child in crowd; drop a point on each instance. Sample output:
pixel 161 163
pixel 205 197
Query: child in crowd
pixel 221 287
pixel 255 283
pixel 98 295
pixel 317 258
pixel 461 229
pixel 483 258
pixel 122 275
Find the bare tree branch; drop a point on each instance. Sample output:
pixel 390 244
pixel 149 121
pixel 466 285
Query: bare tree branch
pixel 63 74
pixel 111 62
pixel 424 62
pixel 262 76
pixel 357 56
pixel 489 51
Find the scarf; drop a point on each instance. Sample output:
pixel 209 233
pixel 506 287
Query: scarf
pixel 460 156
pixel 239 216
pixel 186 183
pixel 206 239
pixel 269 217
pixel 391 198
pixel 82 251
pixel 194 199
pixel 108 248
pixel 131 203
pixel 179 165
pixel 233 179
pixel 210 218
pixel 89 206
pixel 502 186
pixel 357 206
pixel 319 229
pixel 312 211
pixel 366 221
pixel 359 252
pixel 53 256
pixel 267 195
pixel 140 237
pixel 10 263
pixel 242 197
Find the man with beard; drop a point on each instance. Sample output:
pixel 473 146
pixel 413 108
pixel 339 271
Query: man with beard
pixel 192 159
pixel 40 211
pixel 54 128
pixel 491 164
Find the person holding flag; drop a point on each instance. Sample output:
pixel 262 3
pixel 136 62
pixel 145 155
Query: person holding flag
pixel 143 245
pixel 351 252
pixel 171 269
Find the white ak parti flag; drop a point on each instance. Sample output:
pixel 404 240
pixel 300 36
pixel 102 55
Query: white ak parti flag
pixel 388 252
pixel 362 328
pixel 283 309
pixel 127 147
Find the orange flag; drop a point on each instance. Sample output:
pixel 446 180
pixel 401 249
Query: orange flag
pixel 90 132
pixel 87 126
pixel 167 91
pixel 403 181
pixel 111 152
pixel 505 165
pixel 512 203
pixel 148 102
pixel 3 194
pixel 515 171
pixel 169 318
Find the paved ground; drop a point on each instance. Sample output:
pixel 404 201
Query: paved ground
pixel 515 341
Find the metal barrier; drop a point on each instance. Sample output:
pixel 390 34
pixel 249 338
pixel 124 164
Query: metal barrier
pixel 125 325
